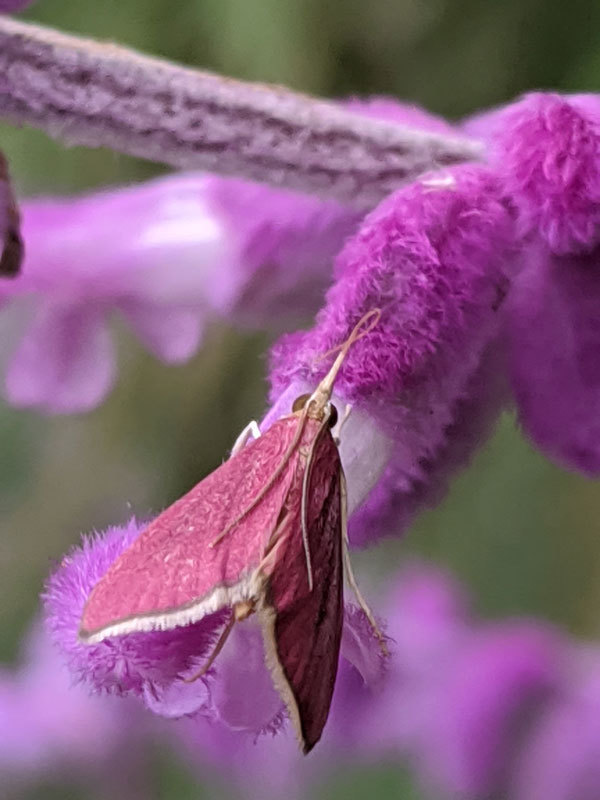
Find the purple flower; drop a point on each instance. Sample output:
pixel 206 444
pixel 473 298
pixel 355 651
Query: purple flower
pixel 147 252
pixel 154 666
pixel 562 760
pixel 433 257
pixel 48 724
pixel 481 707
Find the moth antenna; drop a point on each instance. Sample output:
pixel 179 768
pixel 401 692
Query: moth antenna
pixel 269 484
pixel 216 650
pixel 322 393
pixel 350 573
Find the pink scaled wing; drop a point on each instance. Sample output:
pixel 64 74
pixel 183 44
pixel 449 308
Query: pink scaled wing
pixel 170 575
pixel 303 628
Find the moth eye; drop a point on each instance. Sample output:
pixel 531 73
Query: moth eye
pixel 333 416
pixel 300 402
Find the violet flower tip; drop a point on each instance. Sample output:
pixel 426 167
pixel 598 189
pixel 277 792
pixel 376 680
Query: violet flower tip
pixel 546 148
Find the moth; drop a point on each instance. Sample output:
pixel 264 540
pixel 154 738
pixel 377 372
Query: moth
pixel 264 534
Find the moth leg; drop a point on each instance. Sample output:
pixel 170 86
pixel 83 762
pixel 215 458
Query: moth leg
pixel 250 432
pixel 240 611
pixel 348 571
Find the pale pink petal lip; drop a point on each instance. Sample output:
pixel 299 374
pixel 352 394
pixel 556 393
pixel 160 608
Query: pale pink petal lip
pixel 65 361
pixel 243 693
pixel 170 333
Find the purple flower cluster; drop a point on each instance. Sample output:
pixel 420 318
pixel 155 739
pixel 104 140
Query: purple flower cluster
pixel 477 709
pixel 486 279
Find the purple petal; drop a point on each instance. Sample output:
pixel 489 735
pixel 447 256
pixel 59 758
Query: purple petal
pixel 178 698
pixel 361 648
pixel 64 363
pixel 47 723
pixel 171 334
pixel 158 242
pixel 243 693
pixel 562 759
pixel 553 333
pixel 142 664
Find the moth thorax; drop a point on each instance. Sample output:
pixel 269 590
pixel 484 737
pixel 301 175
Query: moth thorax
pixel 316 410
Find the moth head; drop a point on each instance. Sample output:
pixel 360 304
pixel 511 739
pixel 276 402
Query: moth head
pixel 315 409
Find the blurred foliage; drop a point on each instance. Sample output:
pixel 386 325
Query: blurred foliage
pixel 520 532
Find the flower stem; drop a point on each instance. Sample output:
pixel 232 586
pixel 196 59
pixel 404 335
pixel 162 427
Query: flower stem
pixel 94 94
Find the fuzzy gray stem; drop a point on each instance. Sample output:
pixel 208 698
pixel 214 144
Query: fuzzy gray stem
pixel 92 94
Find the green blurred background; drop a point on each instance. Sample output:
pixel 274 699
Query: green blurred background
pixel 521 533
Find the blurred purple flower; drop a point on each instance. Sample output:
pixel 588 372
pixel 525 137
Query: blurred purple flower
pixel 481 707
pixel 48 725
pixel 147 252
pixel 562 760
